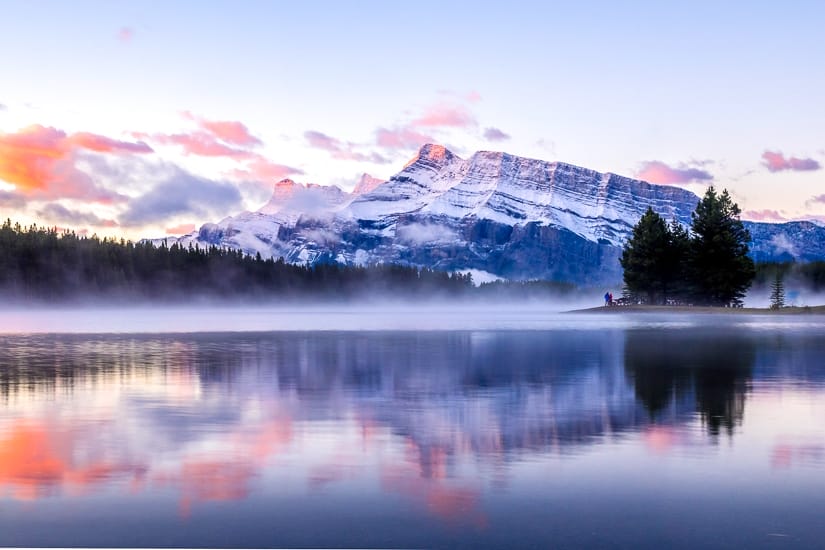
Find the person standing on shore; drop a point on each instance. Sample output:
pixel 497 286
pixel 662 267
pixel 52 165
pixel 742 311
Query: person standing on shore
pixel 606 299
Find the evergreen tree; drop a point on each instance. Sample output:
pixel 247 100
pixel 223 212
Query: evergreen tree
pixel 649 259
pixel 778 291
pixel 720 269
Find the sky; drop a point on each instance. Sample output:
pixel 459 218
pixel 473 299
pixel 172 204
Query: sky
pixel 146 118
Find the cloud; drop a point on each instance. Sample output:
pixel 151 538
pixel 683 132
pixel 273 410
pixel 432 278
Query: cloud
pixel 232 132
pixel 3 107
pixel 763 215
pixel 494 134
pixel 58 213
pixel 40 161
pixel 181 229
pixel 125 34
pixel 422 233
pixel 819 199
pixel 198 143
pixel 656 171
pixel 10 199
pixel 259 168
pixel 182 194
pixel 103 144
pixel 401 138
pixel 473 97
pixel 445 115
pixel 775 161
pixel 341 150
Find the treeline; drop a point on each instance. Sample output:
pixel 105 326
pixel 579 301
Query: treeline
pixel 42 264
pixel 705 265
pixel 808 276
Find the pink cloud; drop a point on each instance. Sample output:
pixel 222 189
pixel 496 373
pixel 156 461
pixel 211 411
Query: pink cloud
pixel 775 161
pixel 103 144
pixel 763 215
pixel 181 229
pixel 200 144
pixel 473 97
pixel 261 169
pixel 494 134
pixel 125 34
pixel 40 161
pixel 401 138
pixel 445 115
pixel 228 131
pixel 656 171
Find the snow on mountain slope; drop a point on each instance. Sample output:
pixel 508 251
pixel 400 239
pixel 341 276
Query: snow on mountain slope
pixel 505 215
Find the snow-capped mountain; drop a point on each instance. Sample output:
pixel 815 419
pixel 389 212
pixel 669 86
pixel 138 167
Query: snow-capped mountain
pixel 509 216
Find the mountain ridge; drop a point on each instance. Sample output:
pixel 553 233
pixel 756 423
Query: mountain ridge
pixel 494 212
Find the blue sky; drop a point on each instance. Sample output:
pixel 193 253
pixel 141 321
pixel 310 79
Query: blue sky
pixel 683 93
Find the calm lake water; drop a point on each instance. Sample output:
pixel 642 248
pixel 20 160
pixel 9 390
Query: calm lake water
pixel 519 431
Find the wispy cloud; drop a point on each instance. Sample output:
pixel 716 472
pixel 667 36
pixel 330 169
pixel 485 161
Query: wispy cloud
pixel 182 194
pixel 656 171
pixel 57 213
pixel 232 132
pixel 341 150
pixel 448 115
pixel 181 229
pixel 260 168
pixel 775 161
pixel 401 138
pixel 494 134
pixel 764 215
pixel 10 199
pixel 125 34
pixel 40 160
pixel 198 143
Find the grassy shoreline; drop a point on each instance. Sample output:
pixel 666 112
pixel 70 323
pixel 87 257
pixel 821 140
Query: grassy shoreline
pixel 795 310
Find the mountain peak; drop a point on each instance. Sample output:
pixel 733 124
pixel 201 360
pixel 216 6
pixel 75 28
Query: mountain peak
pixel 432 153
pixel 366 183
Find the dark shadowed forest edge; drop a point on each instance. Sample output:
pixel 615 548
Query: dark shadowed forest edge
pixel 44 265
pixel 39 264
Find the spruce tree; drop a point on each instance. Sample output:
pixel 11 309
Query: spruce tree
pixel 778 291
pixel 647 259
pixel 720 269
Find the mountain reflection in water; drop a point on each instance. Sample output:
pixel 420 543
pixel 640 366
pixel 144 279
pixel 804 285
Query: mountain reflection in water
pixel 402 426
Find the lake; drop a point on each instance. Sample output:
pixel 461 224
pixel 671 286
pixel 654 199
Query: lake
pixel 443 429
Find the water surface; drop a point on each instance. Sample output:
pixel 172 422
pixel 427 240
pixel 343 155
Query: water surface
pixel 609 432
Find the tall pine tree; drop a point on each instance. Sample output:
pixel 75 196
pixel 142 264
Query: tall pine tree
pixel 651 259
pixel 720 269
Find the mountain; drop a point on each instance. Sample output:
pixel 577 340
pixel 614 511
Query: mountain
pixel 497 213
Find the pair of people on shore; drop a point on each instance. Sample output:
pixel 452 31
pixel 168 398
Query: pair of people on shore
pixel 608 298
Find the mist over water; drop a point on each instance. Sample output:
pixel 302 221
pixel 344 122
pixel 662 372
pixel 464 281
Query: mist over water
pixel 447 427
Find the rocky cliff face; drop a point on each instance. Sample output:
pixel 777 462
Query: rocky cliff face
pixel 509 216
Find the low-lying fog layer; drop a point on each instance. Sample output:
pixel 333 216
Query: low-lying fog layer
pixel 339 317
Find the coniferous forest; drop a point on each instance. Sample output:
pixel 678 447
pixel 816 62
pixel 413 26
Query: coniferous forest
pixel 42 264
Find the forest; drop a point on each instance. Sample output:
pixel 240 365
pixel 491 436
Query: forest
pixel 43 264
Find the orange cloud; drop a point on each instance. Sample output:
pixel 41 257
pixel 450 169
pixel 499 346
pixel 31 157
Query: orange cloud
pixel 39 160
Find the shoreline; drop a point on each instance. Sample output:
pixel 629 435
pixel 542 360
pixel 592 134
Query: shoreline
pixel 791 310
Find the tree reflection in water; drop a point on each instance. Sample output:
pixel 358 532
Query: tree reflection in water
pixel 712 368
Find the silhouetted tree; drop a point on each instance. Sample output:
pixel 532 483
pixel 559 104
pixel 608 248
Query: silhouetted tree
pixel 720 269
